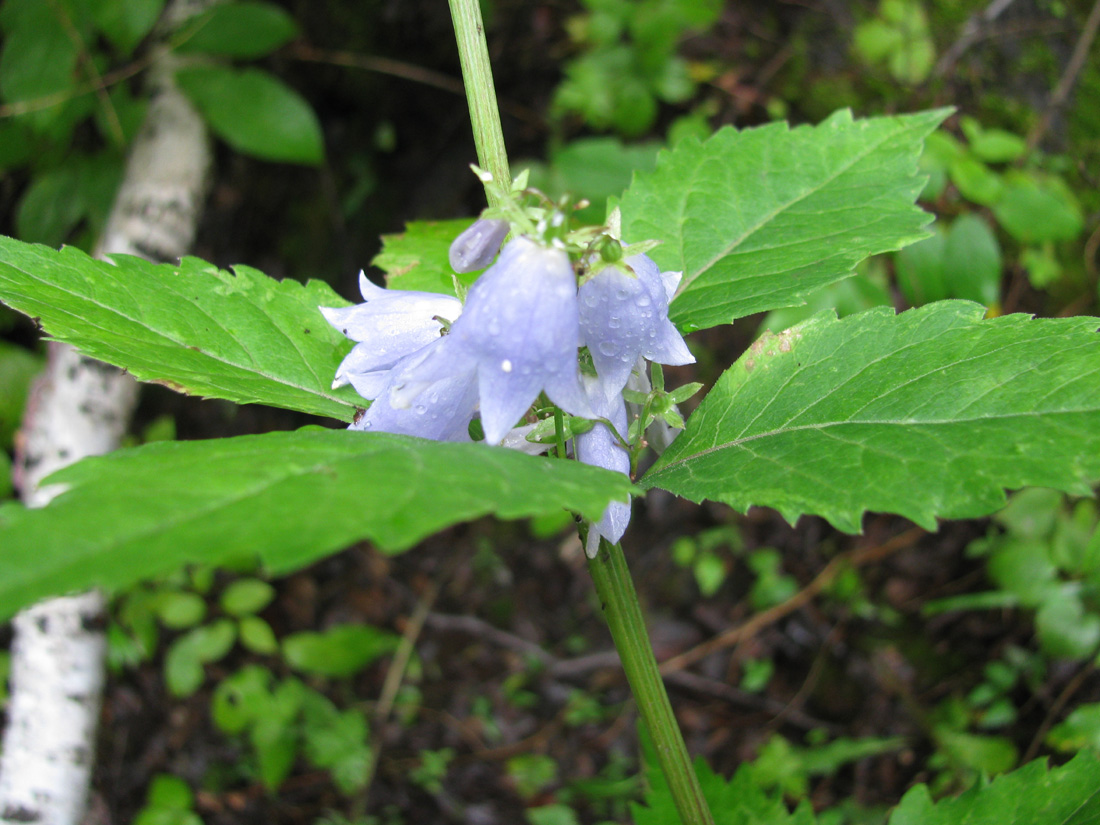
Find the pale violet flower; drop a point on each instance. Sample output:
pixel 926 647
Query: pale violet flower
pixel 441 412
pixel 519 332
pixel 389 326
pixel 601 448
pixel 475 248
pixel 623 317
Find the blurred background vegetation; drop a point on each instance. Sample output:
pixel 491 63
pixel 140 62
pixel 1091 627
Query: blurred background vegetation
pixel 841 669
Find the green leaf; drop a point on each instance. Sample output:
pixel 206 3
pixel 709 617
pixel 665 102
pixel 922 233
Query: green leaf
pixel 39 57
pixel 927 414
pixel 1080 730
pixel 340 651
pixel 18 367
pixel 255 113
pixel 976 181
pixel 197 329
pixel 336 741
pixel 238 699
pixel 178 610
pixel 758 219
pixel 170 792
pixel 417 258
pixel 58 200
pixel 289 498
pixel 245 30
pixel 125 22
pixel 257 636
pixel 972 261
pixel 183 663
pixel 247 596
pixel 1067 795
pixel 992 145
pixel 1035 208
pixel 920 269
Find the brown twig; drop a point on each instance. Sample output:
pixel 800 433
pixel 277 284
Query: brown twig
pixel 971 31
pixel 113 122
pixel 750 628
pixel 1071 688
pixel 23 107
pixel 1069 77
pixel 402 70
pixel 395 674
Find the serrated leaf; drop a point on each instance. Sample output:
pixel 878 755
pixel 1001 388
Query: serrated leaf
pixel 197 329
pixel 931 413
pixel 758 219
pixel 244 30
pixel 1067 795
pixel 287 498
pixel 417 258
pixel 255 113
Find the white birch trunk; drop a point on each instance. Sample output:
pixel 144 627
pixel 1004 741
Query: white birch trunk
pixel 80 407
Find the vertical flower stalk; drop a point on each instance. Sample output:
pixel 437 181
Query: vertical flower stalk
pixel 608 568
pixel 624 618
pixel 477 77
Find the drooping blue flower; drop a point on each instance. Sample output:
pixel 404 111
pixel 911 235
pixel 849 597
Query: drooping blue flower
pixel 441 411
pixel 600 448
pixel 389 326
pixel 520 331
pixel 623 317
pixel 476 247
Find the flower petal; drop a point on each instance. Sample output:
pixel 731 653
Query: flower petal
pixel 441 412
pixel 623 317
pixel 521 325
pixel 600 448
pixel 388 326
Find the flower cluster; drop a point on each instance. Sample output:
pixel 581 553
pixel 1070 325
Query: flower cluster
pixel 430 364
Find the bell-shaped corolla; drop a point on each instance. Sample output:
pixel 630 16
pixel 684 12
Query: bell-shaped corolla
pixel 624 316
pixel 601 448
pixel 519 330
pixel 390 325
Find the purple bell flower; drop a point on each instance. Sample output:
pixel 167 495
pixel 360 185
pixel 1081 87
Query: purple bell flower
pixel 389 326
pixel 600 448
pixel 476 247
pixel 519 331
pixel 623 317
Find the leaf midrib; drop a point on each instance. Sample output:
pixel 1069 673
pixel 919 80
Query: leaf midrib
pixel 728 250
pixel 738 442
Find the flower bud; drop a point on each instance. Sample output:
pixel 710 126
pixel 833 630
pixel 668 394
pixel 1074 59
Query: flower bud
pixel 475 248
pixel 611 250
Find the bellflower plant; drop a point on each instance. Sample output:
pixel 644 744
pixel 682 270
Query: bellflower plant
pixel 520 334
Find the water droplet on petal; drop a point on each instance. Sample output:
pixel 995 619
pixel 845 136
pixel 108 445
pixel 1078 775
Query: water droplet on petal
pixel 609 348
pixel 642 300
pixel 615 322
pixel 622 294
pixel 506 365
pixel 591 299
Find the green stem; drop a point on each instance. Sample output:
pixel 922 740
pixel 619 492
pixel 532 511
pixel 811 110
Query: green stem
pixel 559 431
pixel 624 618
pixel 477 77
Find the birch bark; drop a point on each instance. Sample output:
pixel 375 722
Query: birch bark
pixel 81 407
